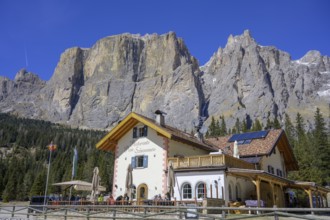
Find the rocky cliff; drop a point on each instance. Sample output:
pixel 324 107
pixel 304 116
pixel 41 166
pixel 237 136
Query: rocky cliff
pixel 255 81
pixel 98 86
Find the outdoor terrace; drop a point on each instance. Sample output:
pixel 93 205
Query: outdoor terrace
pixel 211 160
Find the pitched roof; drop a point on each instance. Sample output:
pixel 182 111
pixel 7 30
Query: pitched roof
pixel 110 141
pixel 260 147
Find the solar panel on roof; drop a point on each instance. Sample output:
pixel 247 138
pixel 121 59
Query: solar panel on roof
pixel 248 136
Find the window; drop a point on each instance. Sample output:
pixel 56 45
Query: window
pixel 201 190
pixel 238 191
pixel 230 192
pixel 270 169
pixel 186 191
pixel 140 131
pixel 279 172
pixel 139 161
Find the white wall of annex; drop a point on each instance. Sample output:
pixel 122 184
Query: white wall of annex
pixel 194 178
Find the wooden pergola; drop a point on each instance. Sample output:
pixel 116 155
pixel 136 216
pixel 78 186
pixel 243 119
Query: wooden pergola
pixel 312 189
pixel 258 176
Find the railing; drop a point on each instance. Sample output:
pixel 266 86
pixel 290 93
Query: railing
pixel 209 160
pixel 156 212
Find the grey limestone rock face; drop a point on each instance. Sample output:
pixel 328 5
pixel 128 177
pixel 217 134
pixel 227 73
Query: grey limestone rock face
pixel 19 96
pixel 98 86
pixel 246 80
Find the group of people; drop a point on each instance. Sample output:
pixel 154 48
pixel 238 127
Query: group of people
pixel 166 197
pixel 124 199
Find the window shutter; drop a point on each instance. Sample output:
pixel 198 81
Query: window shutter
pixel 135 132
pixel 133 162
pixel 145 131
pixel 145 161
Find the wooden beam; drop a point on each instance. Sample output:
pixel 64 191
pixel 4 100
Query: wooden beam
pixel 257 182
pixel 273 192
pixel 310 195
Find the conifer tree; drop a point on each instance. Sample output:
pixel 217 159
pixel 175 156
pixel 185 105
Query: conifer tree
pixel 257 126
pixel 223 127
pixel 212 128
pixel 276 123
pixel 289 129
pixel 244 128
pixel 237 126
pixel 320 137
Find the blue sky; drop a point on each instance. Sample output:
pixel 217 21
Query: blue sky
pixel 34 33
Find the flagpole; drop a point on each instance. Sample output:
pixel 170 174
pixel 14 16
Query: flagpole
pixel 51 148
pixel 74 167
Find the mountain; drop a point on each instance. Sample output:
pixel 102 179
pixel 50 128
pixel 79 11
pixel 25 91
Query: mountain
pixel 255 81
pixel 98 86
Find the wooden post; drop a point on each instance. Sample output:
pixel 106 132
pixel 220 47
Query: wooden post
pixel 258 191
pixel 13 212
pixel 322 203
pixel 273 193
pixel 326 201
pixel 114 214
pixel 88 211
pixel 310 195
pixel 223 213
pixel 65 214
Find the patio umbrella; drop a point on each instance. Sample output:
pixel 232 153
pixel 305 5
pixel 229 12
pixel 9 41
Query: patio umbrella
pixel 170 179
pixel 129 181
pixel 95 184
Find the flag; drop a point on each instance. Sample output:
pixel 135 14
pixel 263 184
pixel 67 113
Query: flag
pixel 52 147
pixel 74 162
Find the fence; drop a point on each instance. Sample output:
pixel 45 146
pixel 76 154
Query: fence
pixel 95 212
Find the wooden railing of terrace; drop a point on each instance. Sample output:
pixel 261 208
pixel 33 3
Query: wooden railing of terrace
pixel 209 161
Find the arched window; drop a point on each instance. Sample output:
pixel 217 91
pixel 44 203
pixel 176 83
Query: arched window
pixel 230 192
pixel 238 192
pixel 201 190
pixel 186 191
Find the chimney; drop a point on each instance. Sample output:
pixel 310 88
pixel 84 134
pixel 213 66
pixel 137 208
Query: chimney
pixel 160 119
pixel 236 151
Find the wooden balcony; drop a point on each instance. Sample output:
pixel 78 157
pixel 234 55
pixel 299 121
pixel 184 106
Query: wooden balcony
pixel 212 160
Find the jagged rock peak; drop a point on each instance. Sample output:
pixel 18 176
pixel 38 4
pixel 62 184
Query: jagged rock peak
pixel 20 74
pixel 244 40
pixel 24 75
pixel 311 57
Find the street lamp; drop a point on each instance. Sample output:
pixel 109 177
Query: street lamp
pixel 51 147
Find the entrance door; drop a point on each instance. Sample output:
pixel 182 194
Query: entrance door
pixel 142 193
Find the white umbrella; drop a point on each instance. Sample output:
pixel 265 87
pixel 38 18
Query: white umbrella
pixel 95 184
pixel 170 179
